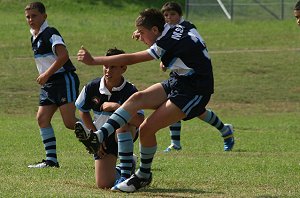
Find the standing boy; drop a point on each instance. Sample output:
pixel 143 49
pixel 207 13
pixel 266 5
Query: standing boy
pixel 57 77
pixel 297 12
pixel 181 97
pixel 103 96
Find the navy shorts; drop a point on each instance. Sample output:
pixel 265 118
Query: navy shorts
pixel 112 145
pixel 60 89
pixel 184 93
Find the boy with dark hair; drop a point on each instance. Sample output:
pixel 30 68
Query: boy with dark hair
pixel 181 97
pixel 103 96
pixel 57 77
pixel 297 12
pixel 173 15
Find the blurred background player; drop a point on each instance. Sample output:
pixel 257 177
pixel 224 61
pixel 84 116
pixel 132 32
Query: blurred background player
pixel 103 96
pixel 297 12
pixel 57 77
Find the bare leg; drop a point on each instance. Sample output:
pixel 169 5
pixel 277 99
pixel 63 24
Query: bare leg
pixel 105 171
pixel 67 112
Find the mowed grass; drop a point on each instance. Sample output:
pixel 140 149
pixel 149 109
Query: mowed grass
pixel 256 67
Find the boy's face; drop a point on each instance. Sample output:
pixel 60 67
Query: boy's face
pixel 113 73
pixel 172 17
pixel 148 36
pixel 297 16
pixel 35 19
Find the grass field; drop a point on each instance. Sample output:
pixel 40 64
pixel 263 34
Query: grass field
pixel 257 89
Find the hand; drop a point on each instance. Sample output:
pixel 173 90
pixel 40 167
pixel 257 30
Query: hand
pixel 109 106
pixel 136 35
pixel 162 67
pixel 102 151
pixel 84 56
pixel 42 79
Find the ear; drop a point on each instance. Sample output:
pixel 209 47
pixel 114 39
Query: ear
pixel 124 68
pixel 45 16
pixel 154 29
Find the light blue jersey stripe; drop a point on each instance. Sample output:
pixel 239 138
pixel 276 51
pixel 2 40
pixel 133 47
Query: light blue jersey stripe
pixel 68 88
pixel 154 53
pixel 73 87
pixel 195 101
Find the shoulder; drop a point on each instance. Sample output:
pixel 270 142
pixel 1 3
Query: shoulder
pixel 130 86
pixel 52 29
pixel 49 31
pixel 188 25
pixel 95 83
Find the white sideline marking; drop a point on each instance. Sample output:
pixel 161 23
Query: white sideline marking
pixel 224 9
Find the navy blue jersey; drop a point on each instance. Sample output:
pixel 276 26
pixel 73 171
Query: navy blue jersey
pixel 43 47
pixel 94 94
pixel 183 51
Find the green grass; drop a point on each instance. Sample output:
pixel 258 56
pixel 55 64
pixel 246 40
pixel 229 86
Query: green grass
pixel 256 68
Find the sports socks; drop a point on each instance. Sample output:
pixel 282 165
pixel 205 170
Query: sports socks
pixel 118 119
pixel 212 119
pixel 175 133
pixel 146 154
pixel 49 142
pixel 125 150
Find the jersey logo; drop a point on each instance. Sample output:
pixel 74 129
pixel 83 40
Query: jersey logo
pixel 39 43
pixel 63 100
pixel 177 32
pixel 96 100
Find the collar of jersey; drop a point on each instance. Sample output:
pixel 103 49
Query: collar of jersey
pixel 42 28
pixel 104 90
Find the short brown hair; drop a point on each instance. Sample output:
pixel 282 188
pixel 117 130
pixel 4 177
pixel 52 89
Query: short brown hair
pixel 114 51
pixel 172 6
pixel 149 18
pixel 36 5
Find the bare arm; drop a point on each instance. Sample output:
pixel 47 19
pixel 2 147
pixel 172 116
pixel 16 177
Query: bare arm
pixel 117 60
pixel 109 106
pixel 62 58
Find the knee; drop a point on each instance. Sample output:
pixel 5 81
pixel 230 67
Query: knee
pixel 42 121
pixel 123 129
pixel 103 184
pixel 145 130
pixel 137 96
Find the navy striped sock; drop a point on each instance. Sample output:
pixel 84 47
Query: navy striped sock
pixel 175 130
pixel 118 119
pixel 49 142
pixel 146 154
pixel 212 119
pixel 125 149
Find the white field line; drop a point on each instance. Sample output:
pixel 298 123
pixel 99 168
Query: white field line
pixel 233 51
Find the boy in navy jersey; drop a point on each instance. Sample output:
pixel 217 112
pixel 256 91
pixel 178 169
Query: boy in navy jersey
pixel 173 15
pixel 57 77
pixel 181 97
pixel 297 12
pixel 103 96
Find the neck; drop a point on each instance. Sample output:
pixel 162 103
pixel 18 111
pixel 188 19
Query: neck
pixel 113 83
